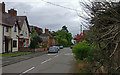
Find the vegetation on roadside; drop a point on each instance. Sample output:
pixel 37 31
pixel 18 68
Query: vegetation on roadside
pixel 35 39
pixel 83 50
pixel 63 37
pixel 105 33
pixel 14 54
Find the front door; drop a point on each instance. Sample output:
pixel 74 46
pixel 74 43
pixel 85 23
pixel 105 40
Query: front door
pixel 6 46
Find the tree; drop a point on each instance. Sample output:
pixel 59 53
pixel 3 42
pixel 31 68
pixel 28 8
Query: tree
pixel 80 37
pixel 64 28
pixel 35 39
pixel 63 37
pixel 105 33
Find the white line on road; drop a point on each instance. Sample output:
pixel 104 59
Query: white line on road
pixel 27 70
pixel 51 54
pixel 56 55
pixel 46 61
pixel 69 54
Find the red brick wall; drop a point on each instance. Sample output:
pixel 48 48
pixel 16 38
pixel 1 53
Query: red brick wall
pixel 52 42
pixel 33 50
pixel 3 7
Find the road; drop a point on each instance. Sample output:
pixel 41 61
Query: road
pixel 61 62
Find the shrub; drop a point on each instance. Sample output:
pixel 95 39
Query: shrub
pixel 44 46
pixel 83 50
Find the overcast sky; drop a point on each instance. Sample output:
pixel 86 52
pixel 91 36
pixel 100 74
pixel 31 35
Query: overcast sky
pixel 49 16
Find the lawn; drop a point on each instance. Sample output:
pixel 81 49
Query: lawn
pixel 14 54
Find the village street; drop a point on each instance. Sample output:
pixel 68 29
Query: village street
pixel 61 62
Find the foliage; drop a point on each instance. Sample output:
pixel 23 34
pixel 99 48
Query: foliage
pixel 80 37
pixel 63 37
pixel 82 50
pixel 35 39
pixel 105 33
pixel 64 28
pixel 43 46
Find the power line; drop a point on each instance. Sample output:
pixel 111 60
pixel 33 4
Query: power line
pixel 60 5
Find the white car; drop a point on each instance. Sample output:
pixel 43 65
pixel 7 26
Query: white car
pixel 53 50
pixel 61 47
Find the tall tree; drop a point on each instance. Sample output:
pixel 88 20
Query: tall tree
pixel 65 28
pixel 105 33
pixel 63 37
pixel 35 39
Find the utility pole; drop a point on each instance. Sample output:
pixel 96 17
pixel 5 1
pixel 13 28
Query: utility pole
pixel 80 29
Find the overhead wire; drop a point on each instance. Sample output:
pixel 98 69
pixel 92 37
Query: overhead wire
pixel 60 5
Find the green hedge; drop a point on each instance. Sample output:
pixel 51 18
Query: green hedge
pixel 83 50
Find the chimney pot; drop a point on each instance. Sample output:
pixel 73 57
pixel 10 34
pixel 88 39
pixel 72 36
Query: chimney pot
pixel 3 7
pixel 12 12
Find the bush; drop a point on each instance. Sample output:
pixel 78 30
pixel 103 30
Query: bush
pixel 44 46
pixel 82 50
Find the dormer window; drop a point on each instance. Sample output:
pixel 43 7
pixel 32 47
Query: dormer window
pixel 22 33
pixel 15 28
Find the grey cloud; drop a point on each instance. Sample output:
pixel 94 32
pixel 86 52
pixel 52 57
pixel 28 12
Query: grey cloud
pixel 48 16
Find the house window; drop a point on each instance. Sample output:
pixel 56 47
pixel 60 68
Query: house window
pixel 7 29
pixel 25 44
pixel 23 32
pixel 15 28
pixel 14 43
pixel 26 33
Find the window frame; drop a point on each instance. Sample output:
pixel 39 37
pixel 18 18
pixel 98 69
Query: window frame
pixel 15 28
pixel 7 29
pixel 14 43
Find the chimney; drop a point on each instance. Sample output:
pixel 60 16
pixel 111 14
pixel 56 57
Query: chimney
pixel 3 7
pixel 12 12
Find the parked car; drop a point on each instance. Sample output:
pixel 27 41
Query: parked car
pixel 61 47
pixel 58 48
pixel 53 50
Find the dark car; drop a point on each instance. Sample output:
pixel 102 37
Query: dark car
pixel 71 46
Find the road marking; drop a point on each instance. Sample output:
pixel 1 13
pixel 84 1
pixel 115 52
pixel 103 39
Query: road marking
pixel 61 53
pixel 69 54
pixel 51 54
pixel 56 55
pixel 46 61
pixel 27 70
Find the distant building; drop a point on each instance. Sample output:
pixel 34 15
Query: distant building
pixel 47 39
pixel 39 31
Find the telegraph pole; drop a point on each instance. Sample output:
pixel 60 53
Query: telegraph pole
pixel 80 29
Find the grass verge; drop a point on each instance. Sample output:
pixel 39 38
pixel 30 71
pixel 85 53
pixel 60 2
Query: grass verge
pixel 14 54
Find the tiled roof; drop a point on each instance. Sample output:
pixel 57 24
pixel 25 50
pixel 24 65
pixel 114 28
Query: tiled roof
pixel 38 30
pixel 9 20
pixel 45 34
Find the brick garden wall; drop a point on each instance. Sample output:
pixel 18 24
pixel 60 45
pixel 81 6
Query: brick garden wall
pixel 33 50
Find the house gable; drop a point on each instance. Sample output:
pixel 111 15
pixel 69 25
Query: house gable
pixel 24 32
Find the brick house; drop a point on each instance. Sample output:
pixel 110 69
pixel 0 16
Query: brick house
pixel 47 39
pixel 13 29
pixel 39 31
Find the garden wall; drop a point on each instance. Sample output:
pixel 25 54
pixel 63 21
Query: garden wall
pixel 33 50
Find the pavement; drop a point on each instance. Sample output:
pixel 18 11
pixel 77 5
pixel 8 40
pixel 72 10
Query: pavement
pixel 11 60
pixel 61 62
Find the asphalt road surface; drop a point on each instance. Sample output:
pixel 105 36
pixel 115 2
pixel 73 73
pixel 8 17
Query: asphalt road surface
pixel 61 62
